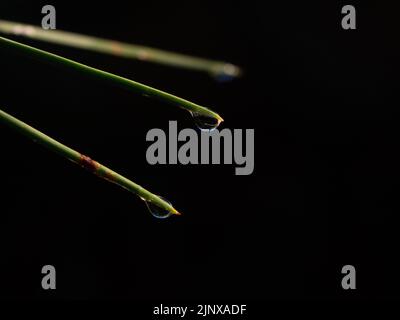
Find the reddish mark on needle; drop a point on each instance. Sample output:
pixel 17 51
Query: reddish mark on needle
pixel 89 164
pixel 116 48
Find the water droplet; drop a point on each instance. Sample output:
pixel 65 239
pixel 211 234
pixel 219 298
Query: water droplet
pixel 205 123
pixel 227 72
pixel 223 77
pixel 157 211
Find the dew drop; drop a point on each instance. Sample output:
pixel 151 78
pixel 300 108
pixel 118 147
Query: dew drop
pixel 157 211
pixel 205 123
pixel 227 73
pixel 223 77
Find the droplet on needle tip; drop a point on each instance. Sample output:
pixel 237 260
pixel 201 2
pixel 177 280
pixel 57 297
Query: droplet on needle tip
pixel 159 212
pixel 205 123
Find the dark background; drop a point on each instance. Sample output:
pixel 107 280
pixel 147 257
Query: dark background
pixel 324 193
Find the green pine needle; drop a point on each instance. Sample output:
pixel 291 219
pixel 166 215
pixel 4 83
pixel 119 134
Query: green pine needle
pixel 126 83
pixel 86 162
pixel 213 67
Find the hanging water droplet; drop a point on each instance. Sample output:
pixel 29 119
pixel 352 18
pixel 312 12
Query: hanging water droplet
pixel 223 77
pixel 205 123
pixel 226 72
pixel 157 211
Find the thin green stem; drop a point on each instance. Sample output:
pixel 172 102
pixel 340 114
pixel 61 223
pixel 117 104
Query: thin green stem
pixel 85 162
pixel 121 49
pixel 124 82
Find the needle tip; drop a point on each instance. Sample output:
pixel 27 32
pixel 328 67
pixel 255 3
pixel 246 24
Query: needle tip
pixel 177 213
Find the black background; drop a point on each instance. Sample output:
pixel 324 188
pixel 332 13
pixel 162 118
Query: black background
pixel 323 102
